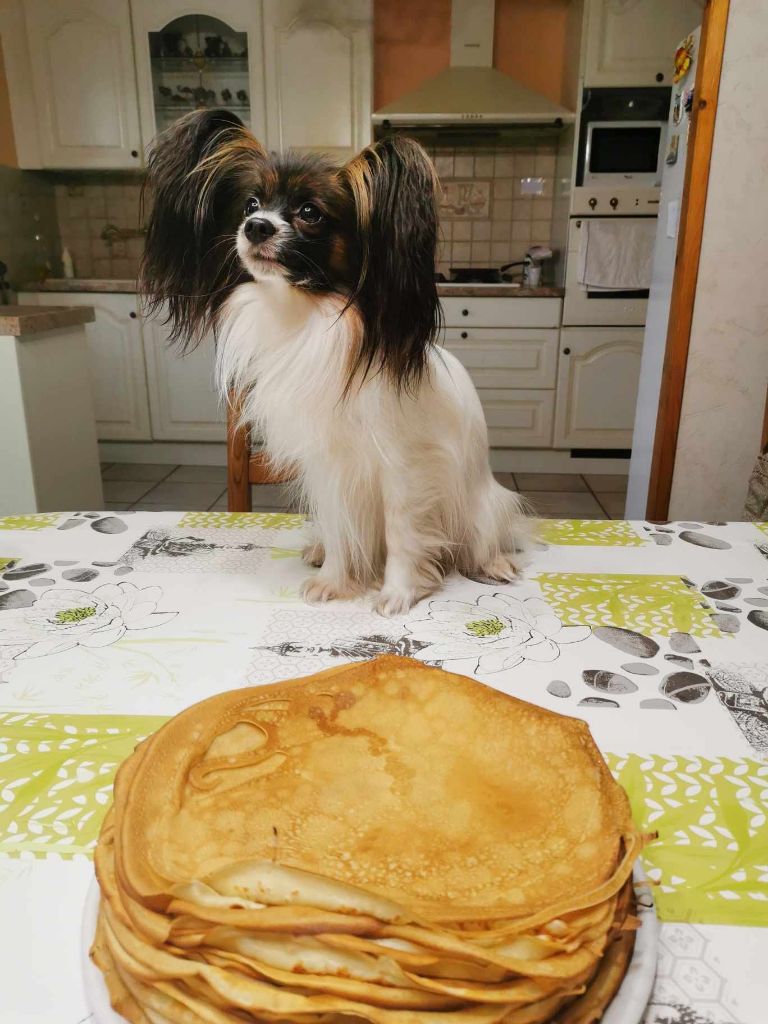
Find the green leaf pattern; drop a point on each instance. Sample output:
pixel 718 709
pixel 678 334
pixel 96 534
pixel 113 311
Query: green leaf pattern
pixel 654 605
pixel 589 533
pixel 244 520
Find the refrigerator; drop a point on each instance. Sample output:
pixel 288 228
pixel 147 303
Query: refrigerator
pixel 662 275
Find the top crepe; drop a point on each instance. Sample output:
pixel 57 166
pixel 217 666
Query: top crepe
pixel 386 788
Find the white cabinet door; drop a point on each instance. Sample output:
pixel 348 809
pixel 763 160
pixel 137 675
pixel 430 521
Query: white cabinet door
pixel 632 42
pixel 183 400
pixel 597 380
pixel 318 65
pixel 506 357
pixel 115 362
pixel 518 418
pixel 156 15
pixel 84 83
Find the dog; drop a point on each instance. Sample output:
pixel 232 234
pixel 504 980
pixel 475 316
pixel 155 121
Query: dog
pixel 318 282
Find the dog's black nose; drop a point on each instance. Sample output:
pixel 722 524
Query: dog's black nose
pixel 257 229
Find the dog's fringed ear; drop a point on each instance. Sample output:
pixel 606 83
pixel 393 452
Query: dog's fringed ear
pixel 394 188
pixel 198 171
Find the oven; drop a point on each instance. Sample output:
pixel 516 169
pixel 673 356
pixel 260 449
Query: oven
pixel 588 308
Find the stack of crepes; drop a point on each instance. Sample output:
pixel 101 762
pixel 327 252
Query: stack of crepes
pixel 380 842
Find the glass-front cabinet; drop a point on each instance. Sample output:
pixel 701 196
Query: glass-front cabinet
pixel 197 57
pixel 198 61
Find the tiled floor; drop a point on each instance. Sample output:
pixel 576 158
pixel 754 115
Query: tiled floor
pixel 197 488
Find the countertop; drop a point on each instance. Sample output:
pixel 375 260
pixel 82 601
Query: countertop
pixel 475 291
pixel 19 321
pixel 81 284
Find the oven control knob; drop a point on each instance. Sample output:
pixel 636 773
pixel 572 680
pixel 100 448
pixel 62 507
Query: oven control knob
pixel 592 202
pixel 614 202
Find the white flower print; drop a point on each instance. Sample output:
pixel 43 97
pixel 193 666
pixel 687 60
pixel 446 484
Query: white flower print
pixel 498 630
pixel 62 619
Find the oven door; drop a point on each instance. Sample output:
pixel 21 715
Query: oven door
pixel 624 153
pixel 584 308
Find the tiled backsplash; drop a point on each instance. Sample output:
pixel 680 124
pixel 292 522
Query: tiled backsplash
pixel 86 204
pixel 29 234
pixel 496 203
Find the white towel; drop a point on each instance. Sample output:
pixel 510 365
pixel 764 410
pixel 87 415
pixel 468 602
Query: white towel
pixel 616 255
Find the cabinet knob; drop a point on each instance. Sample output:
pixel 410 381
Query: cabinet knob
pixel 464 334
pixel 614 202
pixel 592 202
pixel 132 315
pixel 134 152
pixel 465 312
pixel 660 76
pixel 566 351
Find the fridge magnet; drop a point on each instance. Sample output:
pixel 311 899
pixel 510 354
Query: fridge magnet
pixel 674 146
pixel 683 59
pixel 688 101
pixel 677 108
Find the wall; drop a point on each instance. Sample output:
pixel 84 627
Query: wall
pixel 411 40
pixel 727 373
pixel 7 144
pixel 485 219
pixel 29 235
pixel 86 204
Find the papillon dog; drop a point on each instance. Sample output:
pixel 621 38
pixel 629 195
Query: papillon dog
pixel 318 282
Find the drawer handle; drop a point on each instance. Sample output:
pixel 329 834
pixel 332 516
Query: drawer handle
pixel 464 334
pixel 566 351
pixel 465 312
pixel 134 153
pixel 132 315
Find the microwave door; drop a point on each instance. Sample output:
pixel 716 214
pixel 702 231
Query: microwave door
pixel 624 152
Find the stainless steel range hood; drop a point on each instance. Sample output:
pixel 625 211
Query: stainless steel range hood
pixel 471 91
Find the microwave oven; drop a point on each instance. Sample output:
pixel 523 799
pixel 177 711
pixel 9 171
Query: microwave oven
pixel 628 153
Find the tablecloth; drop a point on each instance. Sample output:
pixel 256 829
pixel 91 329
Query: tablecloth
pixel 655 635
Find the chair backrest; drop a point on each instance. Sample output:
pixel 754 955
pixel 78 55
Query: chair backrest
pixel 245 465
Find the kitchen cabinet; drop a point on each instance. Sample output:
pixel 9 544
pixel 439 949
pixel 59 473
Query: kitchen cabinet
pixel 318 70
pixel 598 374
pixel 632 42
pixel 191 55
pixel 509 348
pixel 183 401
pixel 82 76
pixel 115 362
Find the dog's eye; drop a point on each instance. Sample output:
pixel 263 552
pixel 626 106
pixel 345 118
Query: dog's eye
pixel 251 206
pixel 310 214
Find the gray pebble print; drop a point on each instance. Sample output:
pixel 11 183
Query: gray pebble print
pixel 703 540
pixel 679 659
pixel 70 524
pixel 683 643
pixel 66 561
pixel 111 524
pixel 757 602
pixel 637 668
pixel 123 570
pixel 720 590
pixel 25 572
pixel 598 702
pixel 661 539
pixel 608 682
pixel 726 623
pixel 658 703
pixel 627 641
pixel 559 688
pixel 42 581
pixel 759 618
pixel 79 575
pixel 690 526
pixel 686 687
pixel 17 599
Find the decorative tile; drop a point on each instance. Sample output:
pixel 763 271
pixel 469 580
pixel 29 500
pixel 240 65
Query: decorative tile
pixel 465 199
pixel 659 605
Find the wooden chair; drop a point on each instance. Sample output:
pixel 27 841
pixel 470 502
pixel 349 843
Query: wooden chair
pixel 245 465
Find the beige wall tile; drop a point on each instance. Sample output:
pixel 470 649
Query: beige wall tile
pixel 462 230
pixel 500 230
pixel 525 163
pixel 444 166
pixel 483 166
pixel 460 252
pixel 544 165
pixel 503 165
pixel 521 231
pixel 481 252
pixel 522 209
pixel 502 188
pixel 481 231
pixel 502 210
pixel 463 167
pixel 499 252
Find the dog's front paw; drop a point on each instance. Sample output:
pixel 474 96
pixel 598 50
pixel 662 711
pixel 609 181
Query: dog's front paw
pixel 392 601
pixel 502 568
pixel 318 589
pixel 314 554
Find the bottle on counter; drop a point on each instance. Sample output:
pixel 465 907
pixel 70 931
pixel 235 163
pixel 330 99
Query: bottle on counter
pixel 67 264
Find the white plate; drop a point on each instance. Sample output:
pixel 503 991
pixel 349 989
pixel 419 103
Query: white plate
pixel 628 1005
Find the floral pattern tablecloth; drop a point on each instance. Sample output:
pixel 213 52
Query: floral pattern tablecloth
pixel 656 635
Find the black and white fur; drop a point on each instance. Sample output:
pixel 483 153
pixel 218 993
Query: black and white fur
pixel 319 282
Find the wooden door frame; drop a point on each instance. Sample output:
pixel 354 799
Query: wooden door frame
pixel 691 229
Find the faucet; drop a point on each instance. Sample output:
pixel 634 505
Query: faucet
pixel 111 233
